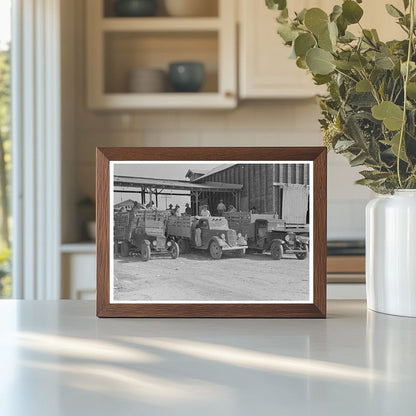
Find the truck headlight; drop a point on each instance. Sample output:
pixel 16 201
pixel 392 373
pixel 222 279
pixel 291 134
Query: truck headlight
pixel 154 243
pixel 223 236
pixel 169 243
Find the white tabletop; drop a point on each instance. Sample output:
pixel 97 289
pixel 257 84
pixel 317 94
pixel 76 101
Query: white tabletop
pixel 57 358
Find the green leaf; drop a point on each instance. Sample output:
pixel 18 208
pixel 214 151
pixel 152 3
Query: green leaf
pixel 343 145
pixel 384 62
pixel 347 37
pixel 374 175
pixel 411 90
pixel 321 79
pixel 394 145
pixel 351 11
pixel 342 25
pixel 316 20
pixel 319 61
pixel 375 35
pixel 406 4
pixel 344 65
pixel 336 12
pixel 358 160
pixel 276 4
pixel 325 42
pixel 393 11
pixel 301 15
pixel 358 61
pixel 363 86
pixel 301 63
pixel 303 43
pixel 388 112
pixel 287 33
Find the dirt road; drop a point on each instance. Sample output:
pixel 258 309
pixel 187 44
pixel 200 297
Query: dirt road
pixel 197 277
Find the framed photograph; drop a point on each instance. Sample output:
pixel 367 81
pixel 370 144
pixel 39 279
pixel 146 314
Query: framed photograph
pixel 211 232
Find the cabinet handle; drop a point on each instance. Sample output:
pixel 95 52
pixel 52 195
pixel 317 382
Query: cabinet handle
pixel 229 94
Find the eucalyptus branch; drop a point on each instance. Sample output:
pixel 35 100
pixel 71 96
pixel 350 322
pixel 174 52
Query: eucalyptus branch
pixel 346 75
pixel 406 80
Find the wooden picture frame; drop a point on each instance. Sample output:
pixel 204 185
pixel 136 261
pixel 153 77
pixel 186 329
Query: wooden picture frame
pixel 278 159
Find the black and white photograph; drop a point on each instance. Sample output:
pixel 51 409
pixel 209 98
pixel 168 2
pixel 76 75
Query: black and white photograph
pixel 211 232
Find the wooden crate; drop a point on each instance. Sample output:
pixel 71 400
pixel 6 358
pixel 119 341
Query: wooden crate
pixel 179 226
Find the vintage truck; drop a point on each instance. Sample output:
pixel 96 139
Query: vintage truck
pixel 205 233
pixel 143 232
pixel 268 233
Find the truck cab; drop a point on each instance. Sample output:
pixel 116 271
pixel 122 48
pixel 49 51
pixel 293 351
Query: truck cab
pixel 274 236
pixel 216 236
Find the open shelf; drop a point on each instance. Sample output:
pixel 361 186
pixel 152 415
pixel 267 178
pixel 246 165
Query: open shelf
pixel 211 9
pixel 119 45
pixel 127 51
pixel 160 24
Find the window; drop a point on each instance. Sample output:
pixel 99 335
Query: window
pixel 5 145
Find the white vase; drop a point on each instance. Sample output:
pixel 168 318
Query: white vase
pixel 391 253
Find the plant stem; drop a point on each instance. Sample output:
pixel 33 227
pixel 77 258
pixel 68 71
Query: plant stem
pixel 406 80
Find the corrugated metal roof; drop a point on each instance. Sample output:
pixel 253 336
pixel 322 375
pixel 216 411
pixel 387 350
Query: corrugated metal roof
pixel 215 170
pixel 135 182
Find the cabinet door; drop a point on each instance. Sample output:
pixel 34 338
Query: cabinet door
pixel 266 71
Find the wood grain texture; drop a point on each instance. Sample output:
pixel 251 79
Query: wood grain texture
pixel 212 310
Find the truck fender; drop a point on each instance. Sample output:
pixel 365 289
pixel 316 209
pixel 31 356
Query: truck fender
pixel 219 240
pixel 279 240
pixel 147 242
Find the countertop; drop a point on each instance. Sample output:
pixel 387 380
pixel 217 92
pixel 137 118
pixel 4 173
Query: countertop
pixel 57 358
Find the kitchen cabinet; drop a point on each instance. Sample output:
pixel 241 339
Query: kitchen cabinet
pixel 78 263
pixel 118 45
pixel 265 70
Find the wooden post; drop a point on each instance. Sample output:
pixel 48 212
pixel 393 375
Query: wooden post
pixel 274 189
pixel 197 202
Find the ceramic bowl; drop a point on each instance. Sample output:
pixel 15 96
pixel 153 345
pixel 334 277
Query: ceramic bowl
pixel 135 8
pixel 186 76
pixel 147 80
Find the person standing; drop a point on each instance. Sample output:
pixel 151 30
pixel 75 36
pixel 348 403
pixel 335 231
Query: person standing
pixel 221 208
pixel 188 209
pixel 204 211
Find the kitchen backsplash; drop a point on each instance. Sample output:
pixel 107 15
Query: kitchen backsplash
pixel 286 123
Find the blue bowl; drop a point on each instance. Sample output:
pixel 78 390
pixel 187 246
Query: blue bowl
pixel 186 76
pixel 135 8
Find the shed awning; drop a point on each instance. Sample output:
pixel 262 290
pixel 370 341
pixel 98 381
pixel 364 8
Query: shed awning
pixel 138 183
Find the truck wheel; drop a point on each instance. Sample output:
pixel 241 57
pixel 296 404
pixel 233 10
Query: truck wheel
pixel 215 250
pixel 174 250
pixel 145 252
pixel 184 246
pixel 124 249
pixel 276 250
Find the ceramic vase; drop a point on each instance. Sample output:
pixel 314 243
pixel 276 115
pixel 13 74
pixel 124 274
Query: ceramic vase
pixel 391 253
